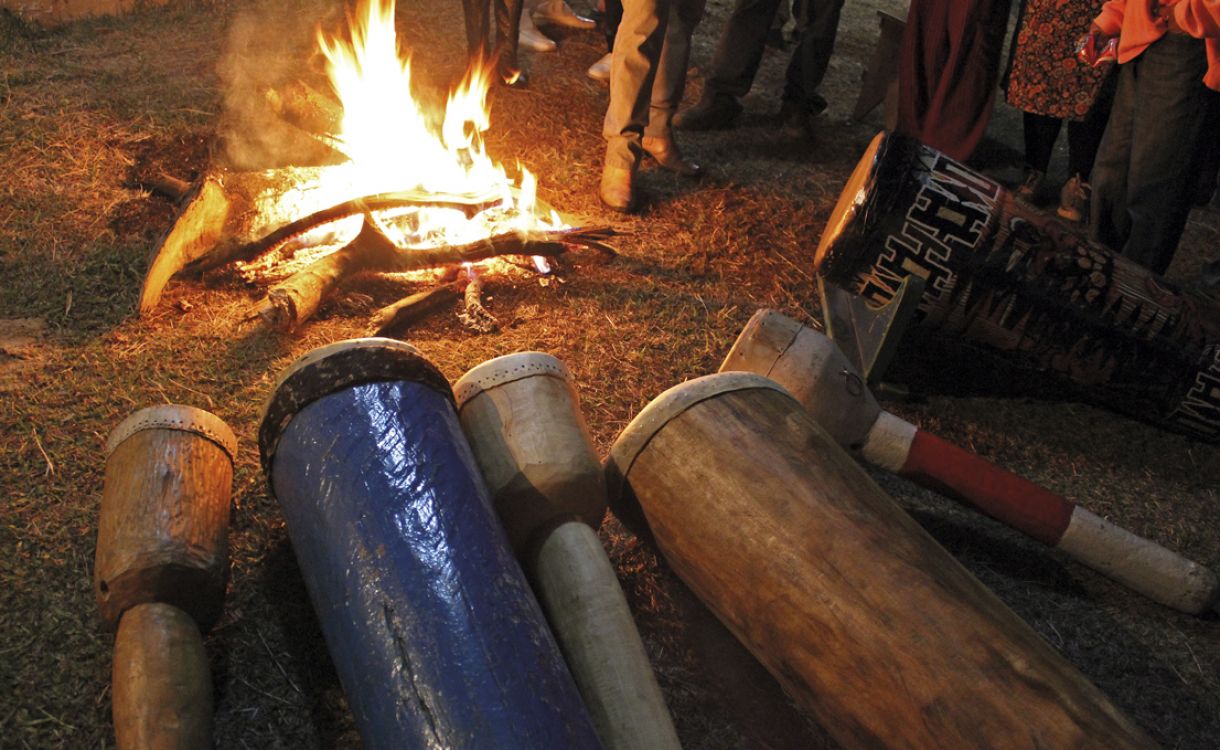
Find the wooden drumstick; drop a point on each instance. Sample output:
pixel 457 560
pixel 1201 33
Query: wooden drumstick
pixel 811 367
pixel 161 570
pixel 522 418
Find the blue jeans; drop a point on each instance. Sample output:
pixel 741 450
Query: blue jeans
pixel 1143 177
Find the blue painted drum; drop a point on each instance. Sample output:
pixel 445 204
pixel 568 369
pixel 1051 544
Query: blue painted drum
pixel 432 627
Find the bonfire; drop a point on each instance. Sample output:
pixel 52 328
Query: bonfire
pixel 409 189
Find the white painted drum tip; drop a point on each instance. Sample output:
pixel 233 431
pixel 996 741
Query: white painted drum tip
pixel 507 369
pixel 175 417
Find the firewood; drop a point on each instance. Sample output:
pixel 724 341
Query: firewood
pixel 476 317
pixel 161 185
pixel 303 106
pixel 468 205
pixel 394 318
pixel 295 300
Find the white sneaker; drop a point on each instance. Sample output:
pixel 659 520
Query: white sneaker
pixel 600 70
pixel 530 38
pixel 558 13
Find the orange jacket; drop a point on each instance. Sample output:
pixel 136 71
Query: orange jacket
pixel 1136 28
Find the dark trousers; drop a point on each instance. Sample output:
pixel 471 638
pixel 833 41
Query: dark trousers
pixel 1084 136
pixel 507 21
pixel 741 45
pixel 1143 176
pixel 949 62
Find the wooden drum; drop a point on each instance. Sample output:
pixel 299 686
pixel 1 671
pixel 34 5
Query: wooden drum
pixel 1018 282
pixel 866 621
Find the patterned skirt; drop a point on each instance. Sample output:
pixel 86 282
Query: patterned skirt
pixel 1045 77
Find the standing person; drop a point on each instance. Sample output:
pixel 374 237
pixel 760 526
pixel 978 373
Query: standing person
pixel 740 51
pixel 647 78
pixel 1050 85
pixel 1143 180
pixel 949 63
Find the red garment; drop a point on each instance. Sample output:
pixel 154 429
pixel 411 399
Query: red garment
pixel 947 78
pixel 1137 27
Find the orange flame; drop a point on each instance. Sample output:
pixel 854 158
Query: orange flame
pixel 392 144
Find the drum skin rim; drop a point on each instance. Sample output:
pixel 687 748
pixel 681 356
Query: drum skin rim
pixel 334 367
pixel 506 369
pixel 175 417
pixel 666 407
pixel 887 169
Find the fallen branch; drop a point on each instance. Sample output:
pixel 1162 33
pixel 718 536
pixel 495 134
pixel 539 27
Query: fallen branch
pixel 394 318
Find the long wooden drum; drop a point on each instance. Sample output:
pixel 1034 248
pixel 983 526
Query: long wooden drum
pixel 433 630
pixel 866 621
pixel 1018 282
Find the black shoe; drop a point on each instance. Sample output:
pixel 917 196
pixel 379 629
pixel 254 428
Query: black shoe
pixel 715 112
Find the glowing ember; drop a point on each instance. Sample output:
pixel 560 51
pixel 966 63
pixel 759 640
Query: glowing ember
pixel 394 145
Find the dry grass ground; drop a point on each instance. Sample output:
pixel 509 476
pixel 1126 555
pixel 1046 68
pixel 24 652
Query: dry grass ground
pixel 84 107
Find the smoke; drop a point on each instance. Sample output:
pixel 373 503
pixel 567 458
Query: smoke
pixel 269 49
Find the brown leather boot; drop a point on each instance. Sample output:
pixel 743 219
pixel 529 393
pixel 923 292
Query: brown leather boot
pixel 618 189
pixel 666 154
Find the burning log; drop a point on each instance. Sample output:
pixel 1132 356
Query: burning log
pixel 304 107
pixel 295 300
pixel 161 569
pixel 428 617
pixel 810 366
pixel 868 623
pixel 522 418
pixel 1017 282
pixel 221 222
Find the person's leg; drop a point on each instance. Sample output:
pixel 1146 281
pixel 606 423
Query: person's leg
pixel 733 66
pixel 1041 132
pixel 817 23
pixel 740 49
pixel 950 59
pixel 1109 223
pixel 612 17
pixel 476 12
pixel 1084 136
pixel 670 83
pixel 508 24
pixel 1166 128
pixel 637 48
pixel 669 86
